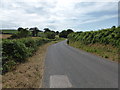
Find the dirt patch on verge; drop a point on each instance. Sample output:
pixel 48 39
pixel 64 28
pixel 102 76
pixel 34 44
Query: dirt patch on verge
pixel 5 36
pixel 29 74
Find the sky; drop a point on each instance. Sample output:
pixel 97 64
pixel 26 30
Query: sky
pixel 58 15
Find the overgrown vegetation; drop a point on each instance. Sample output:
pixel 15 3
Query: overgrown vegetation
pixel 65 33
pixel 105 42
pixel 110 36
pixel 49 34
pixel 22 33
pixel 23 44
pixel 16 51
pixel 34 32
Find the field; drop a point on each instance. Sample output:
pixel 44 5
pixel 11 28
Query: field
pixel 4 36
pixel 9 31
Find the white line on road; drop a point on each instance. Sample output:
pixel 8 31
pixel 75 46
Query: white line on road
pixel 59 81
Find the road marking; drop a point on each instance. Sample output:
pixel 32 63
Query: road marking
pixel 59 81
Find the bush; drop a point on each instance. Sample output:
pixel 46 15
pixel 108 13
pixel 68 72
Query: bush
pixel 22 33
pixel 65 33
pixel 16 51
pixel 50 35
pixel 8 66
pixel 105 36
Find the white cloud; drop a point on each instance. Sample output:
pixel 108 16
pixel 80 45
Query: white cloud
pixel 99 19
pixel 59 14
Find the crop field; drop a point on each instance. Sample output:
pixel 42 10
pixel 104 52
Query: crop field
pixel 4 36
pixel 9 31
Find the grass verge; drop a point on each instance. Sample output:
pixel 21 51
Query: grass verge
pixel 105 51
pixel 29 74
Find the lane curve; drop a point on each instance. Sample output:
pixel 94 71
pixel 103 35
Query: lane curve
pixel 84 70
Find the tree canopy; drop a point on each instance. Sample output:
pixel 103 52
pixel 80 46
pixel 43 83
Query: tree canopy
pixel 65 33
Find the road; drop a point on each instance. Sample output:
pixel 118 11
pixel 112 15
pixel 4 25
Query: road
pixel 68 67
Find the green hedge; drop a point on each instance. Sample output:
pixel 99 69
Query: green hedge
pixel 16 51
pixel 104 36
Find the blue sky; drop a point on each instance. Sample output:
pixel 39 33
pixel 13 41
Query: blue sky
pixel 79 15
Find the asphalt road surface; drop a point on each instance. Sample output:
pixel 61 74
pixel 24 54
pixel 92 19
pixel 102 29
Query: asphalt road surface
pixel 68 67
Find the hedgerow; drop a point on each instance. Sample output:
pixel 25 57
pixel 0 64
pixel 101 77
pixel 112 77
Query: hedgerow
pixel 104 36
pixel 16 51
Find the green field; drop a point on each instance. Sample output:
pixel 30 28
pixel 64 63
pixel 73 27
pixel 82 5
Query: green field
pixel 9 31
pixel 15 31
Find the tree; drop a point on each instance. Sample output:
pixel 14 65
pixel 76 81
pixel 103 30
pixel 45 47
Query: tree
pixel 21 33
pixel 118 26
pixel 20 28
pixel 65 33
pixel 50 35
pixel 35 31
pixel 57 32
pixel 47 30
pixel 113 26
pixel 69 31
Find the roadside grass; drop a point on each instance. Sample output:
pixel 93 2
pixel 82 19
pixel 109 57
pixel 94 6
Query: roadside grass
pixel 30 73
pixel 105 51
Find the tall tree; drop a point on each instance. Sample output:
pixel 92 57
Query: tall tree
pixel 35 31
pixel 20 28
pixel 47 30
pixel 57 32
pixel 69 31
pixel 65 33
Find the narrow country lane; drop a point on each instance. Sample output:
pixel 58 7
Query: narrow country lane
pixel 68 67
